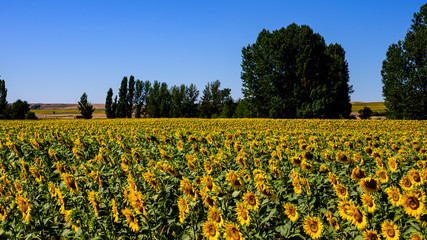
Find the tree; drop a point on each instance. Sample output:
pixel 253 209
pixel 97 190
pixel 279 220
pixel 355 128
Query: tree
pixel 190 108
pixel 142 90
pixel 292 73
pixel 130 95
pixel 153 101
pixel 404 72
pixel 213 99
pixel 3 101
pixel 365 113
pixel 122 105
pixel 85 108
pixel 109 104
pixel 19 109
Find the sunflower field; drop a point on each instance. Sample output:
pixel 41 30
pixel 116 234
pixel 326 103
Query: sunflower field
pixel 213 179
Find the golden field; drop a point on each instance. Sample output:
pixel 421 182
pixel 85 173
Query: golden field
pixel 213 179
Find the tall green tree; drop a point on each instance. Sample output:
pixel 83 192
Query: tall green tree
pixel 292 73
pixel 177 101
pixel 109 104
pixel 213 99
pixel 142 91
pixel 122 105
pixel 190 107
pixel 3 101
pixel 404 72
pixel 153 101
pixel 165 100
pixel 130 96
pixel 85 108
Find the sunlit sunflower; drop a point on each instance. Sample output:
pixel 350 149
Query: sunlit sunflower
pixel 358 218
pixel 415 176
pixel 406 183
pixel 3 212
pixel 412 204
pixel 382 176
pixel 235 181
pixel 341 191
pixel 370 185
pixel 70 183
pixel 210 231
pixel 358 173
pixel 242 214
pixel 389 230
pixel 392 164
pixel 313 227
pixel 180 146
pixel 115 211
pixel 215 217
pixel 333 178
pixel 333 222
pixel 297 186
pixel 251 201
pixel 209 200
pixel 231 232
pixel 296 160
pixel 344 209
pixel 342 158
pixel 291 212
pixel 368 202
pixel 183 208
pixel 25 207
pixel 393 195
pixel 131 219
pixel 370 235
pixel 416 236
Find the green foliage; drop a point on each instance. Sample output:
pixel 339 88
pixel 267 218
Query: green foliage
pixel 109 104
pixel 404 72
pixel 3 101
pixel 19 110
pixel 365 113
pixel 244 109
pixel 142 91
pixel 122 105
pixel 213 100
pixel 130 96
pixel 292 73
pixel 85 108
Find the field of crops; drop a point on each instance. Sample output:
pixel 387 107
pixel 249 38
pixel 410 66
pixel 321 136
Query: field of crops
pixel 374 106
pixel 213 179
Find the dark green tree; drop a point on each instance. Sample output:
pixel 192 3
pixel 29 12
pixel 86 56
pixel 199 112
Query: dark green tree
pixel 153 101
pixel 213 100
pixel 85 108
pixel 109 104
pixel 404 72
pixel 190 107
pixel 114 108
pixel 142 91
pixel 177 101
pixel 122 105
pixel 3 101
pixel 165 100
pixel 365 113
pixel 19 109
pixel 130 96
pixel 244 109
pixel 292 73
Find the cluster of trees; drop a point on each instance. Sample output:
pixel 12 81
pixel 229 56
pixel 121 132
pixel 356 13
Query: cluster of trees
pixel 145 99
pixel 404 72
pixel 17 110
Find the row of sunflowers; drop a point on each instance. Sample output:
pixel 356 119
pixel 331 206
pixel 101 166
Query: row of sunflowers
pixel 213 179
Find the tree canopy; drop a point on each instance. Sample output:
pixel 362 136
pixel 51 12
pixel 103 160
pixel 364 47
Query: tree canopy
pixel 292 73
pixel 85 108
pixel 404 72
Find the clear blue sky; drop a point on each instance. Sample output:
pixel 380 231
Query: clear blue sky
pixel 53 51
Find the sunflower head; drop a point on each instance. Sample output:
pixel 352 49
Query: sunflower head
pixel 210 231
pixel 412 204
pixel 358 173
pixel 393 195
pixel 370 185
pixel 341 191
pixel 313 227
pixel 358 218
pixel 416 236
pixel 370 235
pixel 368 202
pixel 251 201
pixel 389 230
pixel 242 214
pixel 291 212
pixel 232 232
pixel 406 183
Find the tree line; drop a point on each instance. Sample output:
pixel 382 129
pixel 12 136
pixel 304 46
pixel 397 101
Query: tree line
pixel 17 110
pixel 157 100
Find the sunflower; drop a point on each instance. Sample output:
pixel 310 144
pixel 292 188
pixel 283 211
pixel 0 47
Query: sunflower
pixel 412 204
pixel 297 186
pixel 358 218
pixel 180 146
pixel 370 235
pixel 382 176
pixel 323 168
pixel 333 178
pixel 131 219
pixel 389 230
pixel 369 202
pixel 215 217
pixel 393 195
pixel 209 201
pixel 25 207
pixel 232 232
pixel 210 231
pixel 406 183
pixel 416 236
pixel 392 164
pixel 358 173
pixel 334 223
pixel 313 227
pixel 242 214
pixel 342 158
pixel 341 191
pixel 183 208
pixel 370 185
pixel 344 209
pixel 92 196
pixel 291 212
pixel 251 201
pixel 416 178
pixel 235 181
pixel 3 212
pixel 70 183
pixel 115 211
pixel 296 160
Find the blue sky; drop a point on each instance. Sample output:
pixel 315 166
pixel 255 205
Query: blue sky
pixel 53 51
